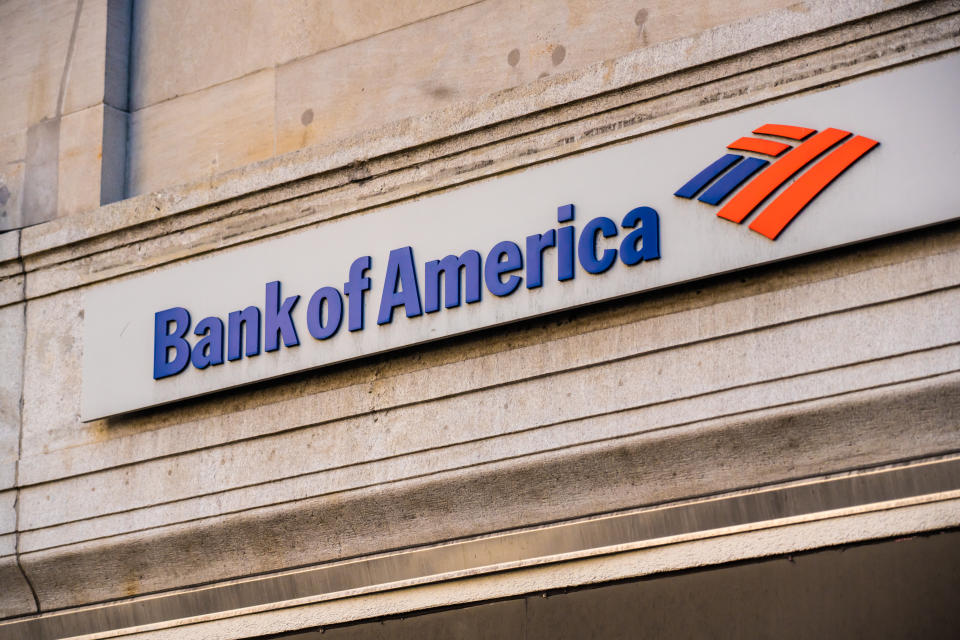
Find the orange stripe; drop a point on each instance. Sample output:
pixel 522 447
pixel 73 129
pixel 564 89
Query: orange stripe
pixel 785 131
pixel 757 190
pixel 759 145
pixel 788 204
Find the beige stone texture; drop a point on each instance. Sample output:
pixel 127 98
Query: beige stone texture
pixel 35 46
pixel 730 547
pixel 13 156
pixel 12 328
pixel 34 40
pixel 52 367
pixel 202 134
pixel 84 85
pixel 15 597
pixel 735 452
pixel 826 364
pixel 775 37
pixel 12 287
pixel 450 161
pixel 8 512
pixel 81 155
pixel 487 47
pixel 182 46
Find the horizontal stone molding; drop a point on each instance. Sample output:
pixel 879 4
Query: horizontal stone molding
pixel 906 488
pixel 813 438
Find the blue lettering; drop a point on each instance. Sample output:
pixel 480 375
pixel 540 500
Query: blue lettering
pixel 353 289
pixel 450 268
pixel 277 322
pixel 566 256
pixel 587 245
pixel 496 266
pixel 318 329
pixel 648 235
pixel 209 351
pixel 237 321
pixel 535 246
pixel 164 339
pixel 400 286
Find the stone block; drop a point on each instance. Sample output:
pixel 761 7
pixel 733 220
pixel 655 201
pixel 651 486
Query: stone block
pixel 52 371
pixel 41 171
pixel 499 44
pixel 85 78
pixel 92 162
pixel 8 512
pixel 13 155
pixel 12 327
pixel 16 598
pixel 34 40
pixel 81 153
pixel 182 46
pixel 202 134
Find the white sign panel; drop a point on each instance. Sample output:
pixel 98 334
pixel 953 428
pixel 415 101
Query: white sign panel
pixel 870 158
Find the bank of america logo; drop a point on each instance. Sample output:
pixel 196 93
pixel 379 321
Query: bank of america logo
pixel 724 176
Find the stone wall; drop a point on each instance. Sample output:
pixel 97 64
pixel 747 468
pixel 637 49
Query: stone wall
pixel 860 365
pixel 106 99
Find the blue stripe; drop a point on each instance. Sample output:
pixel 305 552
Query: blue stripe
pixel 703 178
pixel 725 185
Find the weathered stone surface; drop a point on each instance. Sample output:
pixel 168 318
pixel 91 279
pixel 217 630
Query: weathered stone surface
pixel 176 42
pixel 81 151
pixel 9 251
pixel 197 135
pixel 810 367
pixel 15 596
pixel 499 44
pixel 809 439
pixel 40 189
pixel 13 157
pixel 56 53
pixel 801 31
pixel 34 40
pixel 12 328
pixel 459 457
pixel 85 77
pixel 52 368
pixel 8 513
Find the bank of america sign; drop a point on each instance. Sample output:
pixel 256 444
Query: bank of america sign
pixel 612 222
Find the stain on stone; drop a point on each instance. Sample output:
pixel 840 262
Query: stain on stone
pixel 39 202
pixel 641 18
pixel 4 194
pixel 513 58
pixel 559 53
pixel 441 92
pixel 306 117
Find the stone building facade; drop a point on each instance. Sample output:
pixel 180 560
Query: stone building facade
pixel 767 452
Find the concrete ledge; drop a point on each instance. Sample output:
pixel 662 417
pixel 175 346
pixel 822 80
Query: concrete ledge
pixel 813 438
pixel 898 487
